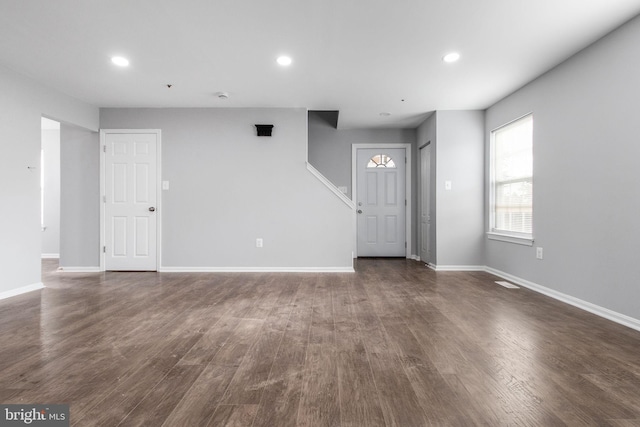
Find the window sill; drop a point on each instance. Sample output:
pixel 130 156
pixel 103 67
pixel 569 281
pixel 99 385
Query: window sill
pixel 525 241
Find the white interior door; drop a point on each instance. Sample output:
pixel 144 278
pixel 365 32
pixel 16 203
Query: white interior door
pixel 381 204
pixel 425 200
pixel 130 201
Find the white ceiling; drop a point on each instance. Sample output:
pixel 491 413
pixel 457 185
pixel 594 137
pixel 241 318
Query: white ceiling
pixel 361 57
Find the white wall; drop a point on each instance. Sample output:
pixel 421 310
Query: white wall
pixel 586 175
pixel 229 187
pixel 22 104
pixel 51 165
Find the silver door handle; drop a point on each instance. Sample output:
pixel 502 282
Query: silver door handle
pixel 152 209
pixel 359 211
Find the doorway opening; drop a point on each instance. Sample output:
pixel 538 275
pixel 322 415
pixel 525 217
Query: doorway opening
pixel 50 189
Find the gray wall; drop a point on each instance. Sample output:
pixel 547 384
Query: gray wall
pixel 330 153
pixel 586 175
pixel 460 148
pixel 330 148
pixel 458 144
pixel 51 170
pixel 229 187
pixel 79 197
pixel 22 104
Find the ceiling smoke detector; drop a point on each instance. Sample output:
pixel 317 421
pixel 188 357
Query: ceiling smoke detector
pixel 222 95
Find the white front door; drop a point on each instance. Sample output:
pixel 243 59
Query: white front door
pixel 380 200
pixel 425 199
pixel 130 233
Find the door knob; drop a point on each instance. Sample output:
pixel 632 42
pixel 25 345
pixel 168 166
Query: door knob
pixel 152 209
pixel 359 211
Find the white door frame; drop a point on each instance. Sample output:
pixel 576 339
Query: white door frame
pixel 354 196
pixel 103 134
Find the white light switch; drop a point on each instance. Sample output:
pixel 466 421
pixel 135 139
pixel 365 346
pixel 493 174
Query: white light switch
pixel 447 185
pixel 165 185
pixel 258 242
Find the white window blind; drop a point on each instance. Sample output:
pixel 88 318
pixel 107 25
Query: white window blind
pixel 512 173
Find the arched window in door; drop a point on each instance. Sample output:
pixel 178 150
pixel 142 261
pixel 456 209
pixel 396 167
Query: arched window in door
pixel 381 161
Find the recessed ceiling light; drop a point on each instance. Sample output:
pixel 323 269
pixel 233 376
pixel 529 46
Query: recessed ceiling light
pixel 120 61
pixel 385 114
pixel 284 60
pixel 451 57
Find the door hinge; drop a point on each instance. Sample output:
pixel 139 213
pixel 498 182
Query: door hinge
pixel 405 202
pixel 104 249
pixel 104 148
pixel 104 199
pixel 405 245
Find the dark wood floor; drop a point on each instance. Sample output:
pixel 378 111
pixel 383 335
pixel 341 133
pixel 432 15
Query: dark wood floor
pixel 394 344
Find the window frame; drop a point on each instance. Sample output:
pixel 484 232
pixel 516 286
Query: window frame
pixel 494 233
pixel 389 164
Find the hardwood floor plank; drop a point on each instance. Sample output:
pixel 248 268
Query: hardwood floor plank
pixel 234 416
pixel 156 406
pixel 211 342
pixel 110 407
pixel 250 379
pixel 281 397
pixel 242 338
pixel 359 398
pixel 320 400
pixel 394 343
pixel 400 405
pixel 201 400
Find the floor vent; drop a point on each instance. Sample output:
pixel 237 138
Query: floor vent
pixel 507 284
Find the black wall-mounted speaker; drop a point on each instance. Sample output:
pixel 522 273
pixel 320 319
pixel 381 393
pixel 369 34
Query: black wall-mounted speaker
pixel 264 130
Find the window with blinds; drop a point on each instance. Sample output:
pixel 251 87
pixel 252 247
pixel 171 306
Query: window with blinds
pixel 512 178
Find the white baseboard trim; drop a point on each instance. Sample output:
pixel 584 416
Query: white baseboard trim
pixel 78 269
pixel 414 257
pixel 256 270
pixel 50 256
pixel 21 290
pixel 457 267
pixel 622 319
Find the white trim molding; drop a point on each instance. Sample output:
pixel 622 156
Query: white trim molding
pixel 616 317
pixel 518 240
pixel 50 256
pixel 21 290
pixel 457 267
pixel 256 270
pixel 79 270
pixel 315 172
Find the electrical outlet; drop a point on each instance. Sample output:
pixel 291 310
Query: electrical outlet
pixel 539 253
pixel 258 243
